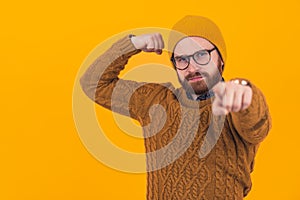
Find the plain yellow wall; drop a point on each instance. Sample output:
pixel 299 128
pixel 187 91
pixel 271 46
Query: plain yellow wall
pixel 43 45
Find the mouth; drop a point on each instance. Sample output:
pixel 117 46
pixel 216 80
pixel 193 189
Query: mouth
pixel 195 78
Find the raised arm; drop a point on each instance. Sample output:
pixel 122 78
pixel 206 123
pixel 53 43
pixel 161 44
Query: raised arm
pixel 101 78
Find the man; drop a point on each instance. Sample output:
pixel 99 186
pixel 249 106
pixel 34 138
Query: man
pixel 190 154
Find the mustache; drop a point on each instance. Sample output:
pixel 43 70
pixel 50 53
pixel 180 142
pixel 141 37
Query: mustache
pixel 196 74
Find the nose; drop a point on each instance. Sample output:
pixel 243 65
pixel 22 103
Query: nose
pixel 193 66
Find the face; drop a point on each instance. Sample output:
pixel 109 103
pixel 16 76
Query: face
pixel 198 78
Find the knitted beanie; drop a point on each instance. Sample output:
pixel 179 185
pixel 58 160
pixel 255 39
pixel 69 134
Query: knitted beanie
pixel 197 26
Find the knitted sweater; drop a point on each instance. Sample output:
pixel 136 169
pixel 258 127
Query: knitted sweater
pixel 182 162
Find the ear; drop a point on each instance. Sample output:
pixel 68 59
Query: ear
pixel 222 65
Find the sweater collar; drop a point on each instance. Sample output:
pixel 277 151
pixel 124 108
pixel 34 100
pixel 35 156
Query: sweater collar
pixel 186 98
pixel 183 98
pixel 201 97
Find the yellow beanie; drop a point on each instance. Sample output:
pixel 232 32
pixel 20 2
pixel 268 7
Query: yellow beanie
pixel 197 26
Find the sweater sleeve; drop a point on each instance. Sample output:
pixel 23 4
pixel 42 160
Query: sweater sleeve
pixel 253 123
pixel 101 84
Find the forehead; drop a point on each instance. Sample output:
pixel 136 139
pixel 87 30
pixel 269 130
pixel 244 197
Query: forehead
pixel 190 45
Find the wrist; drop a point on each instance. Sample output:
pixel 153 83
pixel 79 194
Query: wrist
pixel 133 40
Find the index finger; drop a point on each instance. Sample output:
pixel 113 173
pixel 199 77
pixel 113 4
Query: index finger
pixel 219 90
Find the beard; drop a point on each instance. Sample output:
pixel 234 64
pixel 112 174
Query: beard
pixel 202 86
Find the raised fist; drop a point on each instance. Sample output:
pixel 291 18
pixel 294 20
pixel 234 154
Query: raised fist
pixel 149 42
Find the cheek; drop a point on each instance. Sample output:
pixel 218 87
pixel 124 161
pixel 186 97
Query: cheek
pixel 215 65
pixel 180 74
pixel 212 69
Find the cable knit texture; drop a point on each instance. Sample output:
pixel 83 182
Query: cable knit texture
pixel 173 146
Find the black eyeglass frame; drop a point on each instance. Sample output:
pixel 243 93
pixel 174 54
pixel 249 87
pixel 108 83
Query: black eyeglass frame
pixel 193 56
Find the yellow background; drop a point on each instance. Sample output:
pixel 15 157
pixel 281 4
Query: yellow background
pixel 43 44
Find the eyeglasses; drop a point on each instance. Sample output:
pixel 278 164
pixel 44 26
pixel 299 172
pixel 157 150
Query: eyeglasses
pixel 201 57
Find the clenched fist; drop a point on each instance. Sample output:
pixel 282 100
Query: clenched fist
pixel 231 97
pixel 149 42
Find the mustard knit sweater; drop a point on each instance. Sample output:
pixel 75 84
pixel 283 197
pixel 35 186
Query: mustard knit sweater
pixel 188 168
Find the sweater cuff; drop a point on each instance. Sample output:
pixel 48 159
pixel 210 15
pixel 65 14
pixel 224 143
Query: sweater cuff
pixel 126 47
pixel 250 121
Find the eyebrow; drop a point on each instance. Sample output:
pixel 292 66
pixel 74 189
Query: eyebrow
pixel 184 55
pixel 190 54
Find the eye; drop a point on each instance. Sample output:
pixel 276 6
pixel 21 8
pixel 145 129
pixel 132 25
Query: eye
pixel 200 54
pixel 181 59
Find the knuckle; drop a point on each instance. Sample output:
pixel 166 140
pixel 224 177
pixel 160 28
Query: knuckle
pixel 152 37
pixel 248 88
pixel 230 84
pixel 236 107
pixel 240 88
pixel 227 106
pixel 247 104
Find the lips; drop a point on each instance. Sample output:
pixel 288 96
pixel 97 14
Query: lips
pixel 195 78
